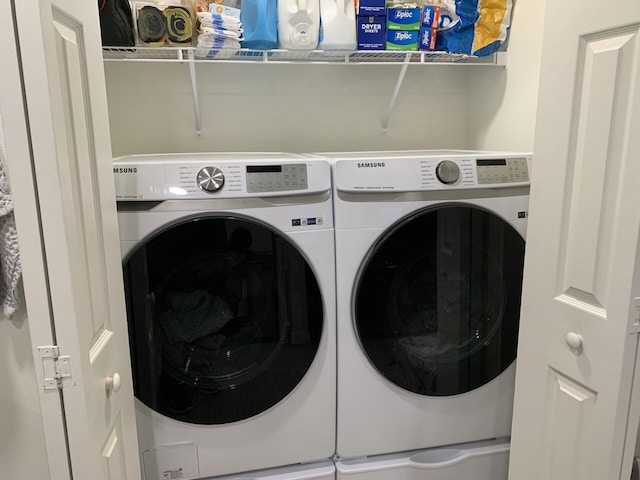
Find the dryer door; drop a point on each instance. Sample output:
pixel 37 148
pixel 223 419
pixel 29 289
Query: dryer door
pixel 225 317
pixel 437 301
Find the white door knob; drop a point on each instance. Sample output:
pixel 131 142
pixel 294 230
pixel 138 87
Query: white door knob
pixel 113 383
pixel 574 340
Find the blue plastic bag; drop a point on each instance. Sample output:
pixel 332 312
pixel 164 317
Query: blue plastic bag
pixel 473 27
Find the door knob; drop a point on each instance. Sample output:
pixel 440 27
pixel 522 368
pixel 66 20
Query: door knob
pixel 113 383
pixel 574 340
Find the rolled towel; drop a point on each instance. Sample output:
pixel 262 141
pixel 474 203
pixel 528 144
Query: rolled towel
pixel 179 25
pixel 152 26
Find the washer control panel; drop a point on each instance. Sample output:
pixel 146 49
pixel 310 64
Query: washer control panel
pixel 211 176
pixel 276 178
pixel 502 170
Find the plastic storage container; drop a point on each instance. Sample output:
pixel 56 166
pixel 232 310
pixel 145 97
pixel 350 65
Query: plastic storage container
pixel 298 24
pixel 337 25
pixel 260 23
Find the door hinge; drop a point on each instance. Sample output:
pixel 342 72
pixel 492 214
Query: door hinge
pixel 635 325
pixel 54 367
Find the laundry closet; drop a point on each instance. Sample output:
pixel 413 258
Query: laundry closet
pixel 174 105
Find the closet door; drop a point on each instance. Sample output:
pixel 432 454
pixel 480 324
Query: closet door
pixel 70 154
pixel 575 414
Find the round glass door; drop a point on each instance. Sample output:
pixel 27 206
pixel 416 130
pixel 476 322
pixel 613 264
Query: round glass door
pixel 225 317
pixel 437 302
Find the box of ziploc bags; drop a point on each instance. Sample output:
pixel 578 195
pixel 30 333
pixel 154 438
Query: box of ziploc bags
pixel 430 16
pixel 401 18
pixel 371 32
pixel 428 38
pixel 402 39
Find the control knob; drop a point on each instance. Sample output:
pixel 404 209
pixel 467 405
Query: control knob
pixel 448 172
pixel 210 179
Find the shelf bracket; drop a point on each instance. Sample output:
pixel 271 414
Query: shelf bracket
pixel 396 90
pixel 194 88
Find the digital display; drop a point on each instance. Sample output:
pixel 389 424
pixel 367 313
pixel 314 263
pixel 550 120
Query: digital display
pixel 264 168
pixel 491 162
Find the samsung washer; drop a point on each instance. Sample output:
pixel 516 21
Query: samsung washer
pixel 230 288
pixel 429 263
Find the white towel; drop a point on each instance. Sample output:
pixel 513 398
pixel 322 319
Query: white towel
pixel 10 267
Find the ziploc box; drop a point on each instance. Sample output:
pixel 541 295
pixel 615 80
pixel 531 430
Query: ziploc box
pixel 402 39
pixel 428 38
pixel 403 18
pixel 370 7
pixel 430 16
pixel 371 32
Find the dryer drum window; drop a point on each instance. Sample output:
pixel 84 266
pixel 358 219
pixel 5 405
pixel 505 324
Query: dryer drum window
pixel 437 301
pixel 225 318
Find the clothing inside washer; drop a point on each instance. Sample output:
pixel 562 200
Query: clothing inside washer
pixel 225 318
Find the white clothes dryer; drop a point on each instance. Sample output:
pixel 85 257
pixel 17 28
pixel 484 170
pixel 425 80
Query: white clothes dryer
pixel 429 263
pixel 230 288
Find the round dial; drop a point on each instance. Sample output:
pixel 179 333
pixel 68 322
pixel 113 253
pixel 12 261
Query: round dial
pixel 210 179
pixel 448 172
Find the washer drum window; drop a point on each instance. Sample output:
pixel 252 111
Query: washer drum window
pixel 437 302
pixel 225 318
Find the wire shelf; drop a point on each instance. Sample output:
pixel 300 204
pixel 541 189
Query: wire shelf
pixel 199 55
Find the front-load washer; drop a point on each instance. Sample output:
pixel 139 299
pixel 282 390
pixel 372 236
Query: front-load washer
pixel 429 263
pixel 230 292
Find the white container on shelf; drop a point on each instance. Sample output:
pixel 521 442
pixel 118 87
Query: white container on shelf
pixel 338 25
pixel 298 24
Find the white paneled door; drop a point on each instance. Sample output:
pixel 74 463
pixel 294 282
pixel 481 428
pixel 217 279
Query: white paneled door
pixel 574 416
pixel 70 153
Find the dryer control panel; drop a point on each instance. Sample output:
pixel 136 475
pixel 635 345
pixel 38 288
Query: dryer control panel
pixel 502 170
pixel 412 171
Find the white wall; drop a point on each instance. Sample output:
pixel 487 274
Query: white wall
pixel 504 101
pixel 285 107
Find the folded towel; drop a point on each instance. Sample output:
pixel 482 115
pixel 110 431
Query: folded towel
pixel 10 266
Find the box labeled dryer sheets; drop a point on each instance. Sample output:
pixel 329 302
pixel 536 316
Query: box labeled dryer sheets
pixel 371 30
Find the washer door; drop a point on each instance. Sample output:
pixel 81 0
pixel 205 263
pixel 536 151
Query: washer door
pixel 225 317
pixel 437 301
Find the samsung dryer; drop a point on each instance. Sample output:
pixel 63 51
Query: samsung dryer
pixel 230 290
pixel 429 262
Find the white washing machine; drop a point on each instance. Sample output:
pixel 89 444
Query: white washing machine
pixel 429 263
pixel 230 288
pixel 488 460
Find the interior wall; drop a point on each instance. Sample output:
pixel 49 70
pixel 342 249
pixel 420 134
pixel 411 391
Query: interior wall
pixel 503 102
pixel 283 107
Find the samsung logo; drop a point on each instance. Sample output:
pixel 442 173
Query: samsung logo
pixel 371 165
pixel 125 170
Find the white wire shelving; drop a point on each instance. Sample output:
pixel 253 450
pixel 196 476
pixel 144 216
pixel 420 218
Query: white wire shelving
pixel 199 55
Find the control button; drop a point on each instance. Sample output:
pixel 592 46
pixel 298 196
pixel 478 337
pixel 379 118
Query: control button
pixel 448 172
pixel 210 179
